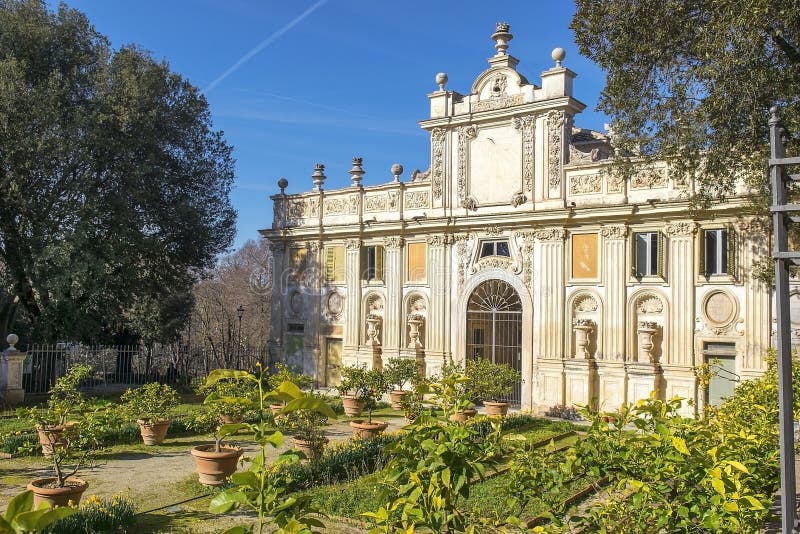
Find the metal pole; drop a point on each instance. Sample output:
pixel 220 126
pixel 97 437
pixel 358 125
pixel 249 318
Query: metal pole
pixel 785 400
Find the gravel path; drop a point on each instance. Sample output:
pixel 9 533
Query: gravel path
pixel 152 477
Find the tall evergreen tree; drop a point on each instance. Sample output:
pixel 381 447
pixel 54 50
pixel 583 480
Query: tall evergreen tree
pixel 114 186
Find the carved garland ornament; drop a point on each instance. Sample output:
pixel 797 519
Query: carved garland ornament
pixel 393 242
pixel 527 125
pixel 505 101
pixel 492 262
pixel 462 249
pixel 550 234
pixel 437 162
pixel 682 228
pixel 555 123
pixel 525 244
pixel 465 134
pixel 417 199
pixel 585 184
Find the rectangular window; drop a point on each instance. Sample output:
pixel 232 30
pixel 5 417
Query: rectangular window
pixel 717 252
pixel 584 256
pixel 495 248
pixel 334 263
pixel 372 263
pixel 647 254
pixel 297 263
pixel 417 262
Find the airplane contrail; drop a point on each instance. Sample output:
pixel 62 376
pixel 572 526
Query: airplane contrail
pixel 263 44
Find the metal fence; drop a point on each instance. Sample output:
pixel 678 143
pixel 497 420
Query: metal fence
pixel 117 367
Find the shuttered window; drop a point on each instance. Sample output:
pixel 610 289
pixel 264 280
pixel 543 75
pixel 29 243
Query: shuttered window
pixel 334 263
pixel 648 254
pixel 719 252
pixel 372 263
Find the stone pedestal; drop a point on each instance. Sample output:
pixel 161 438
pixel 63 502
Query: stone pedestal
pixel 580 378
pixel 643 378
pixel 11 360
pixel 611 384
pixel 681 382
pixel 551 382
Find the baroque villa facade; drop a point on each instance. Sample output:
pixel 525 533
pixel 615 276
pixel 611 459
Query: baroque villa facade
pixel 516 245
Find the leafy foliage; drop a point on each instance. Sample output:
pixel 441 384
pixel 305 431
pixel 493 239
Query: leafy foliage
pixel 20 517
pixel 490 381
pixel 96 516
pixel 693 82
pixel 151 402
pixel 399 371
pixel 114 190
pixel 64 400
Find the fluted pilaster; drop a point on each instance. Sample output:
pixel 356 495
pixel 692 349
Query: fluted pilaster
pixel 550 294
pixel 681 280
pixel 758 319
pixel 394 323
pixel 353 270
pixel 439 276
pixel 614 274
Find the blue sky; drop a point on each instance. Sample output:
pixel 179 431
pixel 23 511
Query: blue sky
pixel 348 78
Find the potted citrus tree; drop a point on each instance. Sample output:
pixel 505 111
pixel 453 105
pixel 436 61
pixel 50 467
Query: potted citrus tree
pixel 216 462
pixel 68 455
pixel 398 372
pixel 232 399
pixel 453 393
pixel 151 405
pixel 65 402
pixel 490 383
pixel 304 425
pixel 370 391
pixel 284 373
pixel 352 383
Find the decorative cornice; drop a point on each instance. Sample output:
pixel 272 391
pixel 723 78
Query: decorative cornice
pixel 438 240
pixel 352 244
pixel 494 230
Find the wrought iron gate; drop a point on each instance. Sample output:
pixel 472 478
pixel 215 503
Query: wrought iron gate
pixel 494 327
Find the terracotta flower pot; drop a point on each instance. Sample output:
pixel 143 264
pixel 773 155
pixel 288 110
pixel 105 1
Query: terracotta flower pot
pixel 312 449
pixel 276 408
pixel 153 433
pixel 397 397
pixel 353 406
pixel 71 492
pixel 230 419
pixel 362 429
pixel 461 416
pixel 50 436
pixel 213 467
pixel 495 408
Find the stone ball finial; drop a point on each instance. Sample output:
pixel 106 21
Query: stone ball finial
pixel 12 340
pixel 558 55
pixel 283 183
pixel 397 170
pixel 441 80
pixel 501 37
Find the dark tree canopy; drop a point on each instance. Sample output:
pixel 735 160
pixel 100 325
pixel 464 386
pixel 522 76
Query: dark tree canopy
pixel 696 79
pixel 114 187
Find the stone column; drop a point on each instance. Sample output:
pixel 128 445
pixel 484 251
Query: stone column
pixel 393 324
pixel 549 316
pixel 11 360
pixel 677 362
pixel 279 288
pixel 757 305
pixel 352 326
pixel 438 276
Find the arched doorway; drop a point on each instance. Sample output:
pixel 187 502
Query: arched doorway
pixel 494 327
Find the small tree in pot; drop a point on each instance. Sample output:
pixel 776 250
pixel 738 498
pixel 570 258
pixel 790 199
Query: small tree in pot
pixel 490 382
pixel 352 384
pixel 371 390
pixel 64 403
pixel 284 373
pixel 150 405
pixel 453 393
pixel 232 400
pixel 304 425
pixel 399 371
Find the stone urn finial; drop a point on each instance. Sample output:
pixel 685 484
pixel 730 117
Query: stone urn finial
pixel 646 333
pixel 583 329
pixel 283 183
pixel 415 320
pixel 501 37
pixel 12 340
pixel 373 328
pixel 357 171
pixel 319 176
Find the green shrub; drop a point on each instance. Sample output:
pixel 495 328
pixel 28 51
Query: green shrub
pixel 350 499
pixel 151 402
pixel 96 516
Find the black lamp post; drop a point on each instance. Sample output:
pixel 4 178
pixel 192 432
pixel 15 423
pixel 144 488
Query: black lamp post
pixel 239 314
